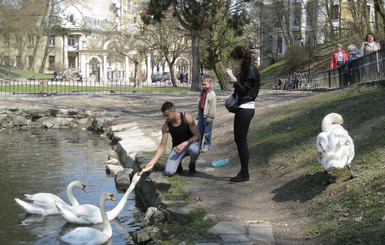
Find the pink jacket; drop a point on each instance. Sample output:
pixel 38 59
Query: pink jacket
pixel 333 63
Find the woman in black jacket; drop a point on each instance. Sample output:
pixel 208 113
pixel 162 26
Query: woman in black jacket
pixel 246 87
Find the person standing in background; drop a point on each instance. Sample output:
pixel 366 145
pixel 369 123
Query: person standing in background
pixel 207 107
pixel 246 87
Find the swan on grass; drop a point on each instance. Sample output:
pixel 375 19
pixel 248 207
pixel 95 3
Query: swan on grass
pixel 44 203
pixel 335 148
pixel 92 236
pixel 90 214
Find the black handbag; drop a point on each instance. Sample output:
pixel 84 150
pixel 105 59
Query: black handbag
pixel 231 103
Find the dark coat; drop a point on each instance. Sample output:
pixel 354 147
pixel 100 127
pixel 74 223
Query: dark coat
pixel 247 86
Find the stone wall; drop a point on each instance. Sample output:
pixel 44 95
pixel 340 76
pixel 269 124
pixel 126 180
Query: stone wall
pixel 55 118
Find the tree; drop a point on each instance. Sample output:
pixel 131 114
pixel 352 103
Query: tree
pixel 218 41
pixel 195 16
pixel 170 40
pixel 380 10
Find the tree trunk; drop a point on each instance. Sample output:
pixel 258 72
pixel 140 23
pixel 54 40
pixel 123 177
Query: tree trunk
pixel 195 78
pixel 44 58
pixel 219 70
pixel 380 9
pixel 172 78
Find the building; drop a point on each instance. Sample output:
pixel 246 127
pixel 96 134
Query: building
pixel 286 23
pixel 81 42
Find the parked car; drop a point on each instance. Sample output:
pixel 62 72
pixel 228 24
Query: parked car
pixel 157 78
pixel 166 76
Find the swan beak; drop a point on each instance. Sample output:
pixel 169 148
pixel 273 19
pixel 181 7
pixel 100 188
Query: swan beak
pixel 84 189
pixel 112 197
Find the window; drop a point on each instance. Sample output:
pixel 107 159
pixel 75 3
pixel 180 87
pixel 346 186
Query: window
pixel 18 61
pixel 6 61
pixel 30 59
pixel 279 44
pixel 297 13
pixel 19 40
pixel 71 61
pixel 31 40
pixel 52 41
pixel 6 40
pixel 128 25
pixel 71 41
pixel 128 4
pixel 51 60
pixel 71 18
pixel 334 12
pixel 311 13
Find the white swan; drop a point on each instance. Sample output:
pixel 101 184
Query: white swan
pixel 90 214
pixel 44 203
pixel 334 145
pixel 92 236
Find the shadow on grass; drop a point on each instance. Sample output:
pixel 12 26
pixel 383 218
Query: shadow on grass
pixel 302 189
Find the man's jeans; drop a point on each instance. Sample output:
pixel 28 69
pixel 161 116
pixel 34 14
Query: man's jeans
pixel 175 159
pixel 205 129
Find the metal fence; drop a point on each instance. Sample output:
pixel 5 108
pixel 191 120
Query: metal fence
pixel 50 86
pixel 368 68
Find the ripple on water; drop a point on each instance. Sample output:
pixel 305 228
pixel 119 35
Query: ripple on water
pixel 47 161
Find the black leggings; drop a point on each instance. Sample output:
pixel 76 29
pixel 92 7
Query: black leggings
pixel 242 121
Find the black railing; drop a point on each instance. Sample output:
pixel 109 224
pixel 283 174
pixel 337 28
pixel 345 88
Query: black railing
pixel 368 68
pixel 50 86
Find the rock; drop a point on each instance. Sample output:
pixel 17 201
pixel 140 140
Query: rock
pixel 19 120
pixel 112 155
pixel 101 124
pixel 123 179
pixel 145 235
pixel 113 161
pixel 153 216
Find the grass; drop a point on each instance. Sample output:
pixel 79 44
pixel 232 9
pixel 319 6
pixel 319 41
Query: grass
pixel 32 88
pixel 286 140
pixel 192 226
pixel 17 73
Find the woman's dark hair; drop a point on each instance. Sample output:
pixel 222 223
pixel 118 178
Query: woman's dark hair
pixel 374 38
pixel 241 52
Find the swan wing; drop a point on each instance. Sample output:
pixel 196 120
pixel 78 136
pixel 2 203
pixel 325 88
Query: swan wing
pixel 82 214
pixel 42 203
pixel 33 208
pixel 85 235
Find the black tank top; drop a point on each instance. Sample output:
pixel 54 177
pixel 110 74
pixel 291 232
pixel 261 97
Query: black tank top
pixel 181 133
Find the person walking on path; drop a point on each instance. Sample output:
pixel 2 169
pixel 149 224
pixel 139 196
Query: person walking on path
pixel 185 141
pixel 339 57
pixel 207 106
pixel 246 87
pixel 370 44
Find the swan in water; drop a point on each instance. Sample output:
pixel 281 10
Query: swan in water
pixel 92 236
pixel 90 214
pixel 44 203
pixel 334 145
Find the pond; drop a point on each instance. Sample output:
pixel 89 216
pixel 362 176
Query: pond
pixel 39 160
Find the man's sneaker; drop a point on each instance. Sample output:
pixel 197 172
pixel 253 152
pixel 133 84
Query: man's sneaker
pixel 204 150
pixel 179 170
pixel 191 169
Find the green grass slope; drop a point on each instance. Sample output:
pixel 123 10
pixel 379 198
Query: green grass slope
pixel 283 141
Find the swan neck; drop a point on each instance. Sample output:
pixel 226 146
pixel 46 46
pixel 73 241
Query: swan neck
pixel 106 223
pixel 70 195
pixel 329 120
pixel 112 214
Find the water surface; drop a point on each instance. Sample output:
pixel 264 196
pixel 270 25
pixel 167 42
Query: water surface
pixel 47 161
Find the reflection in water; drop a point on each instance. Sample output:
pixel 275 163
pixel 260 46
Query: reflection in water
pixel 47 161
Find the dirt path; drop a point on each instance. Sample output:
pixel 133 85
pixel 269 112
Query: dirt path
pixel 260 199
